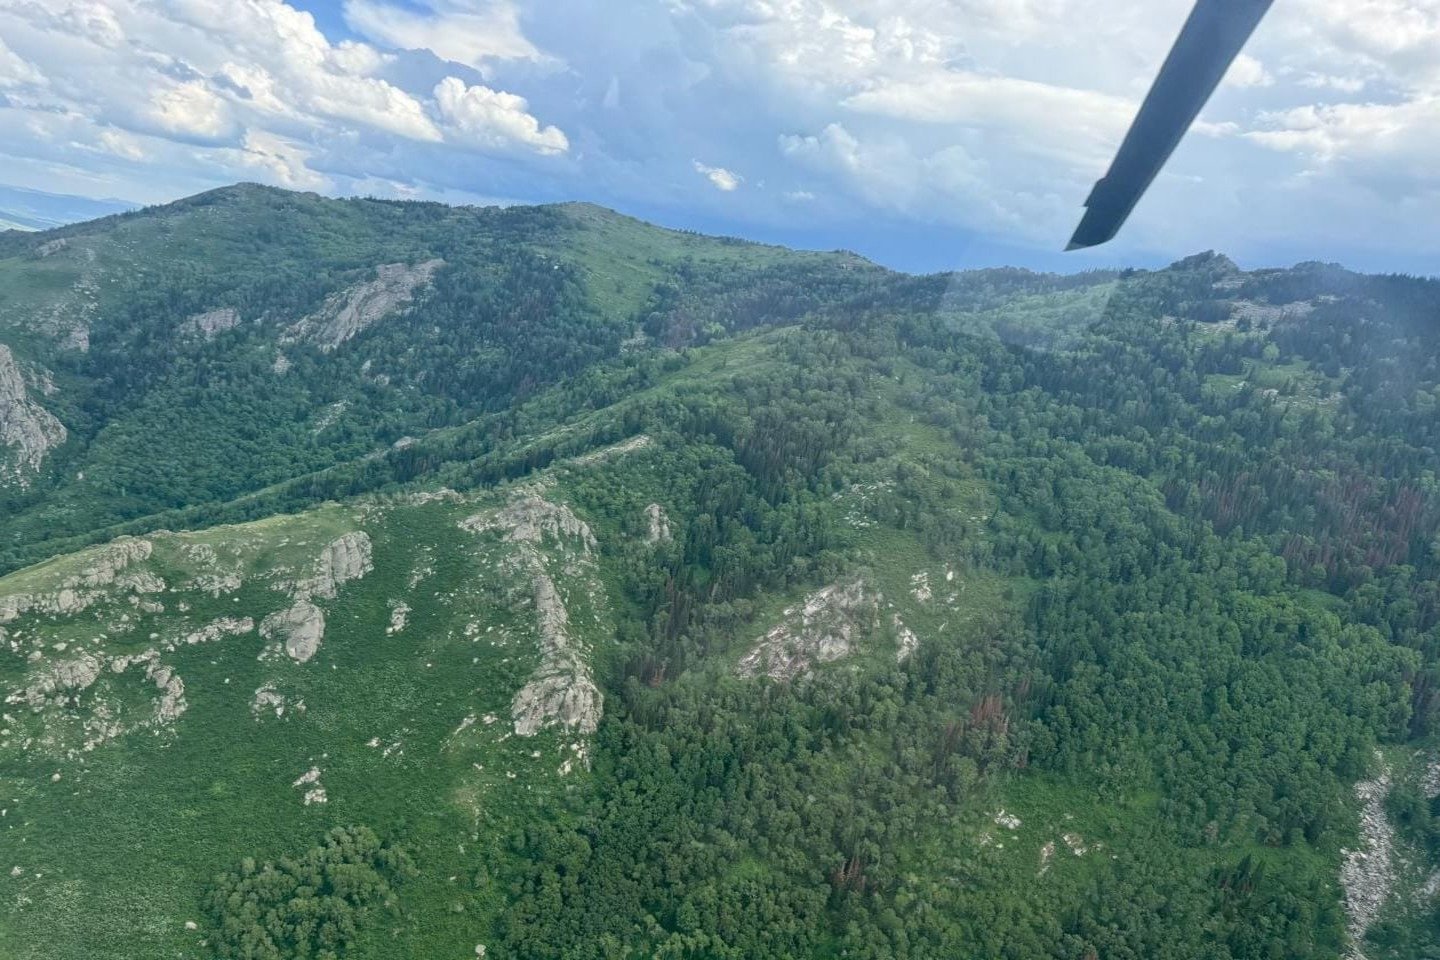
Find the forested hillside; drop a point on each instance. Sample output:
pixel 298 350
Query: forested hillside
pixel 392 579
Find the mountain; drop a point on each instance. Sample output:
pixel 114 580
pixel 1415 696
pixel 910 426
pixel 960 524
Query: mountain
pixel 392 579
pixel 22 209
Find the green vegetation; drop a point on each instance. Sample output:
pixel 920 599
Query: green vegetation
pixel 1086 601
pixel 311 906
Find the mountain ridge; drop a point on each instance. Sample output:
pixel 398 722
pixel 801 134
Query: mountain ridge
pixel 619 591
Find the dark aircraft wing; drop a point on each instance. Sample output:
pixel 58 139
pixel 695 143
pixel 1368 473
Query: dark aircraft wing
pixel 1210 42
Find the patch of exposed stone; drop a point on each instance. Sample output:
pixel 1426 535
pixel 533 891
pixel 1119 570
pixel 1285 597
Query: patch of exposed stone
pixel 60 685
pixel 659 524
pixel 28 430
pixel 309 781
pixel 399 617
pixel 1430 779
pixel 639 442
pixel 1267 314
pixel 906 642
pixel 298 630
pixel 561 691
pixel 211 575
pixel 920 587
pixel 1367 874
pixel 269 700
pixel 212 323
pixel 531 519
pixel 347 558
pixel 827 627
pixel 106 576
pixel 329 416
pixel 347 313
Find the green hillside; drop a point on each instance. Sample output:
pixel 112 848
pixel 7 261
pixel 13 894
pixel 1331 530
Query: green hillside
pixel 396 580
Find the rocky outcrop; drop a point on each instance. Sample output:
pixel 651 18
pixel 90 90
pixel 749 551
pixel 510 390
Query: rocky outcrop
pixel 828 627
pixel 171 702
pixel 347 313
pixel 105 577
pixel 298 629
pixel 561 691
pixel 212 323
pixel 639 442
pixel 309 781
pixel 1367 874
pixel 659 524
pixel 224 627
pixel 531 519
pixel 60 682
pixel 348 558
pixel 27 430
pixel 399 617
pixel 267 700
pixel 906 642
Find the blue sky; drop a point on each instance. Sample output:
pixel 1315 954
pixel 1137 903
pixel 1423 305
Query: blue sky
pixel 927 134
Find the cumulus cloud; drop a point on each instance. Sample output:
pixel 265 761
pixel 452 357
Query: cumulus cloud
pixel 722 179
pixel 494 120
pixel 245 81
pixel 1247 71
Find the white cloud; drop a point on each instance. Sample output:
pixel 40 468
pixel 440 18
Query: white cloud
pixel 281 161
pixel 722 179
pixel 1247 71
pixel 16 71
pixel 473 37
pixel 493 120
pixel 191 110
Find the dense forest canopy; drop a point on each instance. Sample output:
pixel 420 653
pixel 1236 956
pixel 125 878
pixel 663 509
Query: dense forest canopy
pixel 1158 551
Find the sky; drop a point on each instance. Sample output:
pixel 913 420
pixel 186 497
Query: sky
pixel 925 134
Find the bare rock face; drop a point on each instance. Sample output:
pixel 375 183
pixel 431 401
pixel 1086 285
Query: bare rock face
pixel 828 627
pixel 27 429
pixel 105 576
pixel 906 640
pixel 561 691
pixel 299 628
pixel 659 524
pixel 64 679
pixel 171 702
pixel 347 313
pixel 1367 874
pixel 267 699
pixel 212 323
pixel 348 558
pixel 531 519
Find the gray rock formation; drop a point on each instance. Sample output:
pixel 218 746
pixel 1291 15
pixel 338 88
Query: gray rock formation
pixel 659 524
pixel 171 702
pixel 212 323
pixel 561 691
pixel 27 429
pixel 298 628
pixel 1367 874
pixel 531 519
pixel 105 577
pixel 345 559
pixel 347 313
pixel 62 680
pixel 826 628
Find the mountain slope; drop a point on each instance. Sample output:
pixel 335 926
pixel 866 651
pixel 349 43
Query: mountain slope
pixel 651 594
